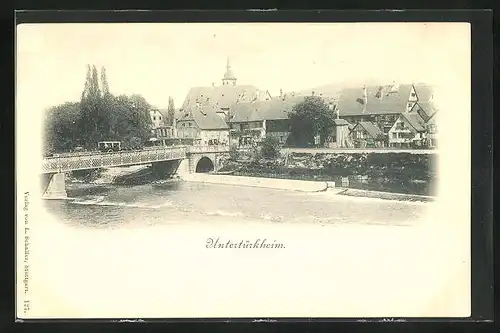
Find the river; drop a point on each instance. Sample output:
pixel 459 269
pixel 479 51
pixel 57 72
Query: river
pixel 140 251
pixel 120 206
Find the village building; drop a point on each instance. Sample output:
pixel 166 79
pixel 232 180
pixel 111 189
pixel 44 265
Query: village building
pixel 366 135
pixel 427 111
pixel 407 132
pixel 221 98
pixel 202 126
pixel 381 105
pixel 157 118
pixel 431 131
pixel 340 135
pixel 206 112
pixel 165 135
pixel 257 120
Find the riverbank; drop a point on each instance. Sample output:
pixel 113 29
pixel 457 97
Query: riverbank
pixel 302 186
pixel 398 173
pixel 279 184
pixel 385 195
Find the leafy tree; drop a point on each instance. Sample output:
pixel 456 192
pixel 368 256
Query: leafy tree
pixel 170 112
pixel 91 116
pixel 60 127
pixel 269 147
pixel 310 118
pixel 107 121
pixel 104 83
pixel 131 116
pixel 98 116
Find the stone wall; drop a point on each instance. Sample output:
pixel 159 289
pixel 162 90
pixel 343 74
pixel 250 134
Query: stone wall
pixel 389 172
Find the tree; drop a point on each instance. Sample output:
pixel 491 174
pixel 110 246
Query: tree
pixel 104 83
pixel 91 121
pixel 170 112
pixel 60 127
pixel 98 116
pixel 107 122
pixel 131 116
pixel 269 147
pixel 310 118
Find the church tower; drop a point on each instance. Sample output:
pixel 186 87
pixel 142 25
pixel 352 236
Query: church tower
pixel 229 78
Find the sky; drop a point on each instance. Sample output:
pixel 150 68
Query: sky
pixel 158 60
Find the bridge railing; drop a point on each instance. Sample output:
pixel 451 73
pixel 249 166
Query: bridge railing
pixel 208 149
pixel 71 162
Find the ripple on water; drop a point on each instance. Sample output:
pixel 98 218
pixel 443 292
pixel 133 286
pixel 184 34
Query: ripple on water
pixel 204 203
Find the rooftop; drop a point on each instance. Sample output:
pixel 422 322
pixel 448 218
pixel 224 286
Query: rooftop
pixel 205 117
pixel 380 99
pixel 370 128
pixel 274 109
pixel 415 121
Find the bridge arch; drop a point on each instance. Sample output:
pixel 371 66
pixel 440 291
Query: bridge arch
pixel 204 164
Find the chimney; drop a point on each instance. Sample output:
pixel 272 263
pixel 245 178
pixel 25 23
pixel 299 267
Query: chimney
pixel 281 92
pixel 312 93
pixel 213 84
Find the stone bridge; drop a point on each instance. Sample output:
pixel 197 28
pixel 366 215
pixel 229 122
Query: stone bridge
pixel 169 159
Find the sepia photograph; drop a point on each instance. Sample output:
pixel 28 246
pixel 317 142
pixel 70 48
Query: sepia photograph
pixel 243 170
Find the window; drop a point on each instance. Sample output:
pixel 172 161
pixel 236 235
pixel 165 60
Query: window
pixel 159 117
pixel 154 117
pixel 413 94
pixel 394 135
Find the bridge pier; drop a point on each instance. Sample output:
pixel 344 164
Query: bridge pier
pixel 54 187
pixel 165 169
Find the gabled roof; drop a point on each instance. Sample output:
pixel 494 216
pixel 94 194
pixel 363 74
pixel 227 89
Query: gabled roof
pixel 205 118
pixel 273 109
pixel 370 128
pixel 340 122
pixel 427 107
pixel 432 119
pixel 415 121
pixel 220 96
pixel 393 99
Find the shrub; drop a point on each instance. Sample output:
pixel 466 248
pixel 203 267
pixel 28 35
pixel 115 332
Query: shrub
pixel 269 148
pixel 234 153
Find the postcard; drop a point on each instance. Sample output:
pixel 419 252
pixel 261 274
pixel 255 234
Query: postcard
pixel 243 170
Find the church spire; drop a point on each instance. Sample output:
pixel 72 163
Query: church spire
pixel 229 77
